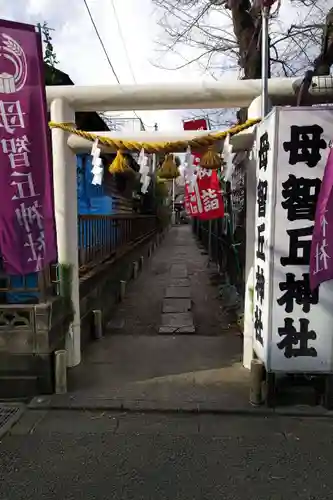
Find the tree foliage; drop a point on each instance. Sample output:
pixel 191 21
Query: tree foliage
pixel 224 36
pixel 50 56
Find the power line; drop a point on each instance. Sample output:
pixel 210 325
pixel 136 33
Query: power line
pixel 106 53
pixel 123 40
pixel 101 42
pixel 129 62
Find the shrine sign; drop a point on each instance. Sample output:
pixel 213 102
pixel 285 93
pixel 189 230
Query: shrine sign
pixel 292 323
pixel 27 228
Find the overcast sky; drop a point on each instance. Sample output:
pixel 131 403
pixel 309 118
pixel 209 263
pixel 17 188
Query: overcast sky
pixel 81 56
pixel 79 51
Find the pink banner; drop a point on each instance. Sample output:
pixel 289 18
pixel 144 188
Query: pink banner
pixel 321 256
pixel 27 230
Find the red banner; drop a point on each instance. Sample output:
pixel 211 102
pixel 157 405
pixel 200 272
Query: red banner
pixel 190 197
pixel 268 3
pixel 187 201
pixel 200 124
pixel 209 196
pixel 205 201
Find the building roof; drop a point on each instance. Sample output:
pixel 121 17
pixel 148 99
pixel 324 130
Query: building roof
pixel 89 121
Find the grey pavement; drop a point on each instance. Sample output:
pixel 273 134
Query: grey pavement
pixel 99 455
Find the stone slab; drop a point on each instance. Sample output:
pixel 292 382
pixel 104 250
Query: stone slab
pixel 178 292
pixel 172 330
pixel 176 305
pixel 180 282
pixel 179 271
pixel 116 324
pixel 177 320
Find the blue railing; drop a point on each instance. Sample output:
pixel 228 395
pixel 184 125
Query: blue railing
pixel 100 238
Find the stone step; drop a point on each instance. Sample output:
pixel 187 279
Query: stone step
pixel 176 305
pixel 178 292
pixel 173 323
pixel 179 282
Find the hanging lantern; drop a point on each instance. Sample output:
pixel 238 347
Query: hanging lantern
pixel 169 169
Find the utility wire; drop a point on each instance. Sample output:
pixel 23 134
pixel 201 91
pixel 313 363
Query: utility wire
pixel 101 42
pixel 105 51
pixel 123 40
pixel 129 62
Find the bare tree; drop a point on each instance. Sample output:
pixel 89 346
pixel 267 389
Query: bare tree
pixel 224 36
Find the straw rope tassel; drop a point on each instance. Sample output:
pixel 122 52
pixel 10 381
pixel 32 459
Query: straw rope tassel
pixel 211 160
pixel 120 164
pixel 169 168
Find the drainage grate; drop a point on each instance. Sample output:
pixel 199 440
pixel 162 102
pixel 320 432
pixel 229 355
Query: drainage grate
pixel 9 415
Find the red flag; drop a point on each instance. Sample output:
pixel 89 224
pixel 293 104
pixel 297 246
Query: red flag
pixel 199 124
pixel 267 3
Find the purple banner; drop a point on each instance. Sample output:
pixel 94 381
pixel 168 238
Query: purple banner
pixel 321 263
pixel 27 228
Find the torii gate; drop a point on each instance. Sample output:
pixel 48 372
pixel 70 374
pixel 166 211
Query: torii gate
pixel 64 101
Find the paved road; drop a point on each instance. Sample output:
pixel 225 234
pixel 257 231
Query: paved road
pixel 103 456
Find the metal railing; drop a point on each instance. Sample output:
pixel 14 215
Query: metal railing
pixel 104 236
pixel 221 248
pixel 100 238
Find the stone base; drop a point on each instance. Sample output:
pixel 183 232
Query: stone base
pixel 29 336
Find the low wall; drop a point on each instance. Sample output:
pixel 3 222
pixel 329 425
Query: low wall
pixel 99 290
pixel 31 333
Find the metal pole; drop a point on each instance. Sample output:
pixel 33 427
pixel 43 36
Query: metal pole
pixel 173 202
pixel 209 241
pixel 264 60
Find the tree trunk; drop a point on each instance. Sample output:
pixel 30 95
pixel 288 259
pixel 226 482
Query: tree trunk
pixel 324 61
pixel 247 23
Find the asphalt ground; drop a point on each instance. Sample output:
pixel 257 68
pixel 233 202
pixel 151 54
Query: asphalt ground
pixel 73 455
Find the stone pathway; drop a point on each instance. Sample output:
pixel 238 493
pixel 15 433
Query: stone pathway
pixel 174 281
pixel 168 345
pixel 176 308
